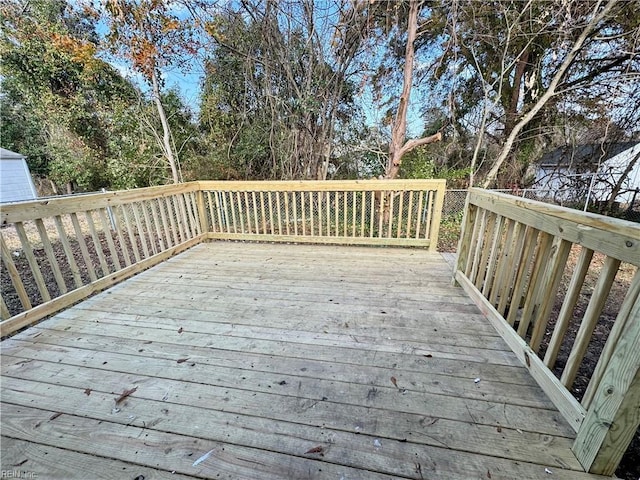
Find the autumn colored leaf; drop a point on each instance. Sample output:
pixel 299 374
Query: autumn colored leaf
pixel 125 394
pixel 318 449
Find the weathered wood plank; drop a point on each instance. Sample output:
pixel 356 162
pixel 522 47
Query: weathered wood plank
pixel 18 321
pixel 25 459
pixel 268 370
pixel 222 365
pixel 455 434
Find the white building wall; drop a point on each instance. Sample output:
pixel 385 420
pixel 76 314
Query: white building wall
pixel 15 181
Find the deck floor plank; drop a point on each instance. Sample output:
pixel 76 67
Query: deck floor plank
pixel 261 353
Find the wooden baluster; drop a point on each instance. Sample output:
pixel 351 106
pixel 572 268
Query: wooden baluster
pixel 97 244
pixel 542 255
pixel 66 246
pixel 156 223
pixel 511 267
pixel 482 262
pixel 294 197
pixel 311 212
pixel 286 212
pixel 83 247
pixel 149 227
pixel 263 212
pixel 33 263
pixel 419 214
pixel 400 207
pixel 51 257
pixel 548 291
pixel 132 238
pixel 165 222
pixel 106 228
pixel 140 230
pixel 530 243
pixel 247 211
pixel 279 213
pixel 238 207
pixel 212 213
pixel 493 257
pixel 622 319
pixel 16 281
pixel 4 311
pixel 590 319
pixel 501 269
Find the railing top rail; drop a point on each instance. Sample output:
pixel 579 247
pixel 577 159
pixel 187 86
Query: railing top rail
pixel 24 211
pixel 612 236
pixel 323 185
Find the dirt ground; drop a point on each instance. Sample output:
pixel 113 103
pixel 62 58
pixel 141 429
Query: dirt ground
pixel 629 468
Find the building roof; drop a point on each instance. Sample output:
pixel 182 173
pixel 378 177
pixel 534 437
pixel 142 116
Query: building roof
pixel 9 155
pixel 584 154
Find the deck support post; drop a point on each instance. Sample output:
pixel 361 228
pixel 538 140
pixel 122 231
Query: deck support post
pixel 202 212
pixel 437 216
pixel 614 413
pixel 464 244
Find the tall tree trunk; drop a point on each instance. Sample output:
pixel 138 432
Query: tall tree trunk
pixel 398 147
pixel 550 92
pixel 166 131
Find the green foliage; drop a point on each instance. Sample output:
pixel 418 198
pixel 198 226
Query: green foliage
pixel 74 117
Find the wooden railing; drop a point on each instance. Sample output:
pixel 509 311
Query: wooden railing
pixel 372 212
pixel 58 251
pixel 61 250
pixel 512 256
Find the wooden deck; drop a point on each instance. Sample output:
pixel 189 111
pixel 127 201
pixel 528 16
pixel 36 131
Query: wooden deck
pixel 256 361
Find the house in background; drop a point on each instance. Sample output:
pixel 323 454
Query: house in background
pixel 16 183
pixel 590 173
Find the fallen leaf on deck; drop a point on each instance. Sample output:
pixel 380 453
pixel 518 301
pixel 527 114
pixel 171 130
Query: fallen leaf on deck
pixel 499 429
pixel 182 360
pixel 180 330
pixel 318 449
pixel 488 474
pixel 202 458
pixel 428 355
pixel 55 415
pixel 87 391
pixel 125 394
pixel 394 381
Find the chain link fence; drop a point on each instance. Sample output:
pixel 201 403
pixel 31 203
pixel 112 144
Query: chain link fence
pixel 454 200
